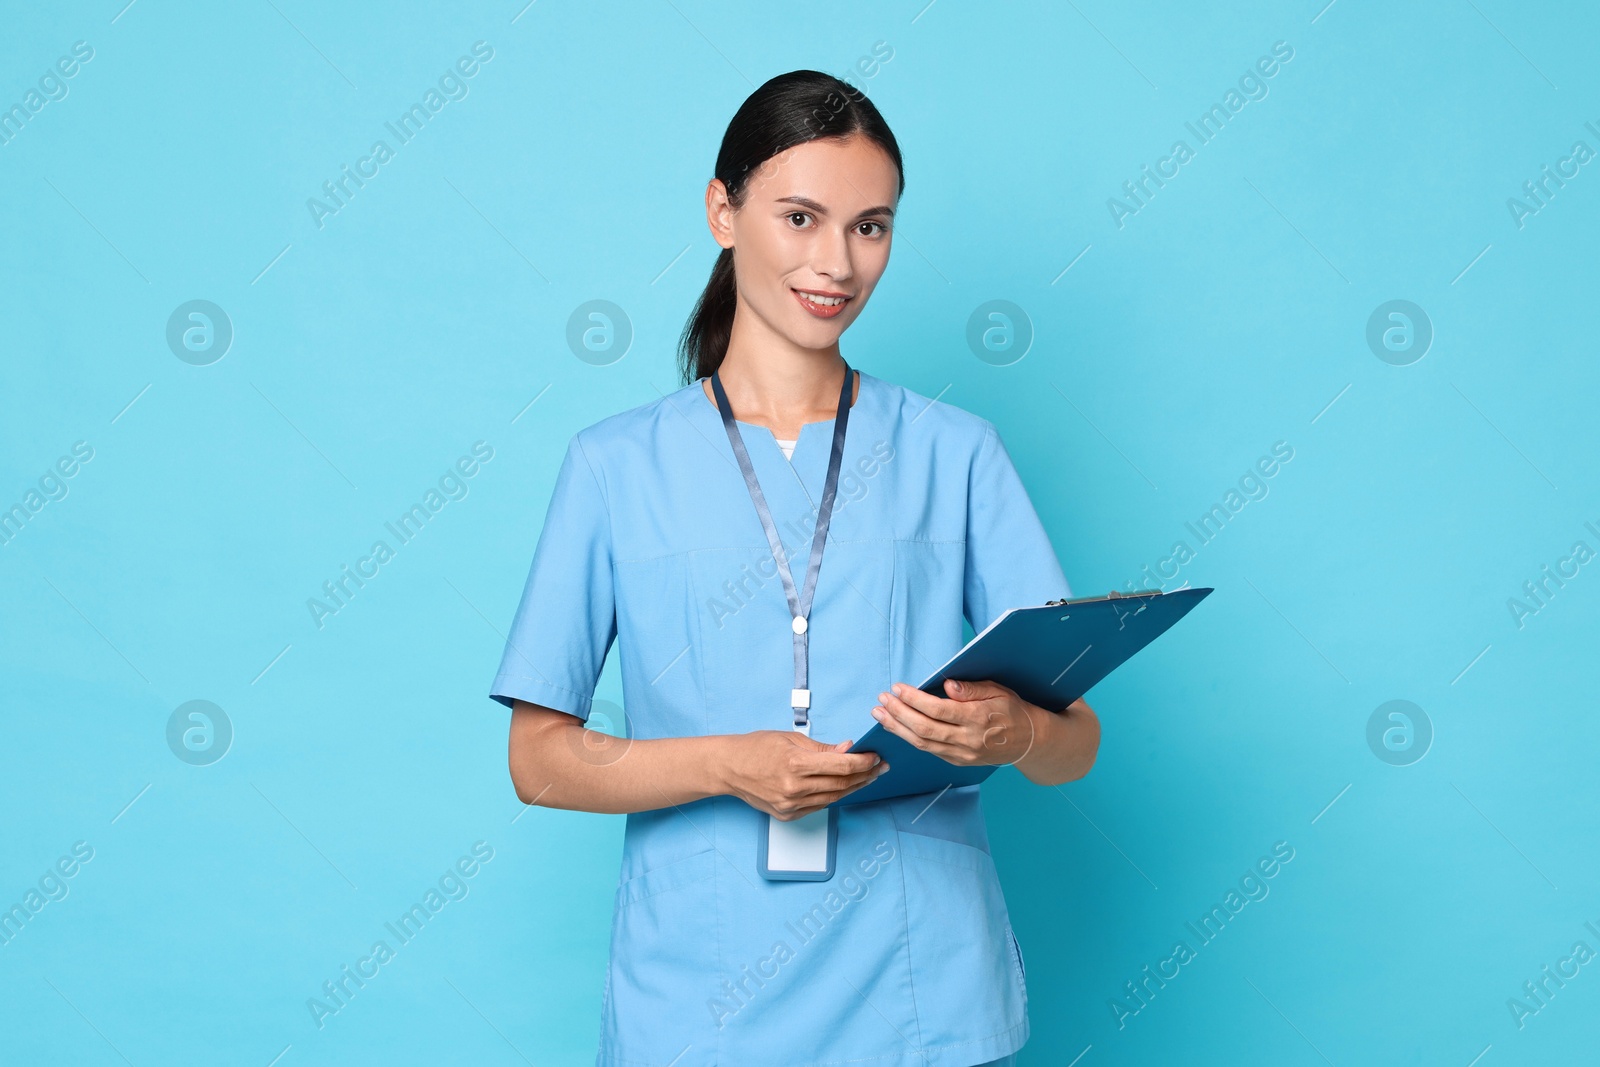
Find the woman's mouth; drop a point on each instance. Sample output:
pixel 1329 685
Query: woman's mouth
pixel 823 307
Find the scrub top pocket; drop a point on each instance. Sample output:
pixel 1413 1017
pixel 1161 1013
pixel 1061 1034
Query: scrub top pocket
pixel 663 929
pixel 1022 969
pixel 743 640
pixel 957 922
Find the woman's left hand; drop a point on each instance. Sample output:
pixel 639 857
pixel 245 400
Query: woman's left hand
pixel 980 723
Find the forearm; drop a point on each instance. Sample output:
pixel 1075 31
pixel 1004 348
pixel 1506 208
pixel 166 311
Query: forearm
pixel 1065 744
pixel 565 765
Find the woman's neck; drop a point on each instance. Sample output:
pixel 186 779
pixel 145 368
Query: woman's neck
pixel 783 394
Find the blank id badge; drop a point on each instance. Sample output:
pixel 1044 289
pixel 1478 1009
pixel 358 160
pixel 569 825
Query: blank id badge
pixel 799 850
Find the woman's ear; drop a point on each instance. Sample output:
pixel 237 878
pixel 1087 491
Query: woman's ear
pixel 719 213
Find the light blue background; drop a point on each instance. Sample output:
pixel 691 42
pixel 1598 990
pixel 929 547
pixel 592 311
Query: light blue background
pixel 1227 315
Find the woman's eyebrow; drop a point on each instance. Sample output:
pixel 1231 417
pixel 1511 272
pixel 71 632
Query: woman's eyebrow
pixel 807 202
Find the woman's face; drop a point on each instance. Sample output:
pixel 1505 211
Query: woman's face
pixel 812 238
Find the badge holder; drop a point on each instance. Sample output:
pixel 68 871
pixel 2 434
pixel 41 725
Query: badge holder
pixel 799 850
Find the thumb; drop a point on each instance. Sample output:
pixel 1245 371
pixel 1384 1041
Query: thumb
pixel 961 690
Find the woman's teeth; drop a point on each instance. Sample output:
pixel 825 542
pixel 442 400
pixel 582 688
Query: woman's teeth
pixel 823 307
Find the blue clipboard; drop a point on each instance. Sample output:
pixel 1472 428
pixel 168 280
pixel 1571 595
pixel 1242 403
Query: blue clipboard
pixel 1050 655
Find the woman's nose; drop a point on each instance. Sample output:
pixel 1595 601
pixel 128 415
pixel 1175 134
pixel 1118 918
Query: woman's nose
pixel 831 257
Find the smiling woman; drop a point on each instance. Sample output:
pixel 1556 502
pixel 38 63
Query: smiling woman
pixel 739 731
pixel 793 251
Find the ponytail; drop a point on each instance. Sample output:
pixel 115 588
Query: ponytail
pixel 705 338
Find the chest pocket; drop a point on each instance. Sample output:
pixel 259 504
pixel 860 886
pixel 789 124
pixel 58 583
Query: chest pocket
pixel 925 624
pixel 746 640
pixel 656 638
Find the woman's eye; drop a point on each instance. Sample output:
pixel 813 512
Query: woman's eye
pixel 798 215
pixel 882 229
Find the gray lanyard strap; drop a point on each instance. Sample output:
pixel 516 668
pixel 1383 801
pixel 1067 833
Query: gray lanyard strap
pixel 799 606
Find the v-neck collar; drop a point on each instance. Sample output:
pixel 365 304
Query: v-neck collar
pixel 808 430
pixel 792 483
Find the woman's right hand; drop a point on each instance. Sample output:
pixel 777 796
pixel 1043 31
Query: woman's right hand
pixel 788 775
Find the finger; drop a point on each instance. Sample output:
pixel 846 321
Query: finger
pixel 956 753
pixel 797 813
pixel 822 800
pixel 919 723
pixel 955 712
pixel 856 781
pixel 899 729
pixel 827 790
pixel 871 776
pixel 815 757
pixel 960 755
pixel 808 744
pixel 834 760
pixel 833 763
pixel 979 690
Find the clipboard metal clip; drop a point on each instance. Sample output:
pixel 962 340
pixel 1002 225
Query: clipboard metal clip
pixel 1122 615
pixel 1113 595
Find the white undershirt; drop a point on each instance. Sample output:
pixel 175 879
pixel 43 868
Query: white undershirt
pixel 788 447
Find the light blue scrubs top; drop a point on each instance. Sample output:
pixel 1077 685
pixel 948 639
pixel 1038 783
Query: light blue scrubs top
pixel 906 956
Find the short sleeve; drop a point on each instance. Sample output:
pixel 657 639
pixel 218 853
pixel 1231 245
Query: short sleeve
pixel 1010 563
pixel 566 621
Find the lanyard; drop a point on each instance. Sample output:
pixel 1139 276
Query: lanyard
pixel 799 605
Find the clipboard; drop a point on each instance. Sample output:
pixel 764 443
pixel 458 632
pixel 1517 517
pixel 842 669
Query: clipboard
pixel 1050 654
